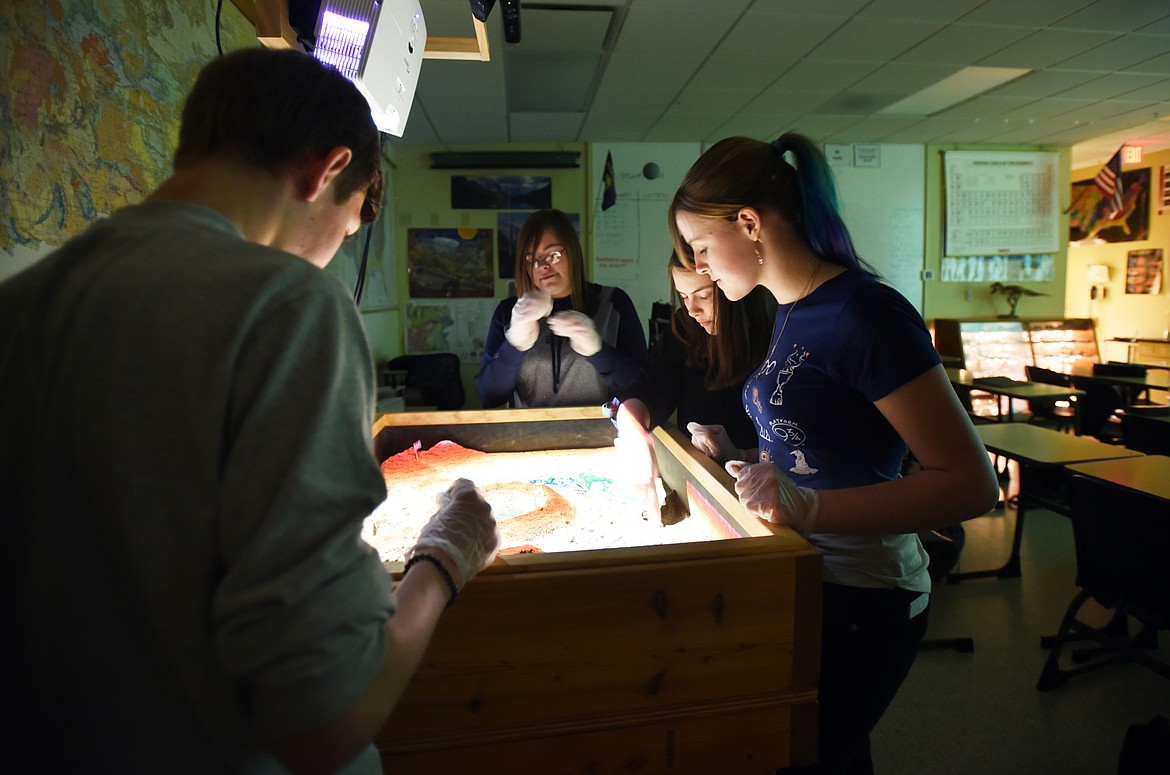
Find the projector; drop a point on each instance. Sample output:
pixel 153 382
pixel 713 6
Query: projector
pixel 377 44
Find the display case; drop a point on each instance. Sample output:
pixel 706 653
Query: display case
pixel 1002 348
pixel 690 657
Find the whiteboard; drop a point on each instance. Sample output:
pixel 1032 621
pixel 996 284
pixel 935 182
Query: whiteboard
pixel 884 208
pixel 631 240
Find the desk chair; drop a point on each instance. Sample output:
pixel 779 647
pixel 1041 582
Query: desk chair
pixel 1121 537
pixel 1098 408
pixel 1145 432
pixel 1051 412
pixel 432 379
pixel 660 315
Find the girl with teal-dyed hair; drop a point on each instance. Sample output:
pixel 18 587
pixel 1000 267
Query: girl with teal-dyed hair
pixel 851 383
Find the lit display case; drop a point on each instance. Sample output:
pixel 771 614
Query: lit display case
pixel 695 657
pixel 1061 344
pixel 1001 348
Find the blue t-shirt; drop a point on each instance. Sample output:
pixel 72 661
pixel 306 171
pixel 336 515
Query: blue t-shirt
pixel 849 343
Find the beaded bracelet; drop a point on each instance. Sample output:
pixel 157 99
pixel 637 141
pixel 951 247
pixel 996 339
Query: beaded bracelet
pixel 433 560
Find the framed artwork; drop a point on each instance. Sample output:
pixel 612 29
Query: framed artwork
pixel 449 263
pixel 1143 271
pixel 1088 217
pixel 501 192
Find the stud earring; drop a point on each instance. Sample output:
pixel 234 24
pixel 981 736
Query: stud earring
pixel 759 257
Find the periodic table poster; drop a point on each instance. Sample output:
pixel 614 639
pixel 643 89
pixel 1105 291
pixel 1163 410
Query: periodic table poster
pixel 1001 202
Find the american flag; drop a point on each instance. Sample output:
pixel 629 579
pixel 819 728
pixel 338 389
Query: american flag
pixel 1109 181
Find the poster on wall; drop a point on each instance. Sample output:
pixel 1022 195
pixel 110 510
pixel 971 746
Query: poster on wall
pixel 378 289
pixel 508 231
pixel 458 326
pixel 1089 219
pixel 1001 203
pixel 449 263
pixel 1039 267
pixel 1143 271
pixel 501 192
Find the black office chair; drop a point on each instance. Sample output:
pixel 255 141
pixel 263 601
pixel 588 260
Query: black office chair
pixel 1098 409
pixel 1051 412
pixel 432 379
pixel 1121 537
pixel 660 313
pixel 1145 432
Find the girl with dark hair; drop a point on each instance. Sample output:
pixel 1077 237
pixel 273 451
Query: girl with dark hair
pixel 851 380
pixel 698 366
pixel 563 341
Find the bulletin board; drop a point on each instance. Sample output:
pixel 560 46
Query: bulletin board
pixel 1001 202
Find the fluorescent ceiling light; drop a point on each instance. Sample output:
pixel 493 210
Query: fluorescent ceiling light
pixel 954 89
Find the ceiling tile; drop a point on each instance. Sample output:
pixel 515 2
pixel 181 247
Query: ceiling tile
pixel 1118 53
pixel 690 30
pixel 562 30
pixel 1115 85
pixel 873 39
pixel 609 127
pixel 1114 16
pixel 543 127
pixel 1045 48
pixel 538 83
pixel 963 44
pixel 660 68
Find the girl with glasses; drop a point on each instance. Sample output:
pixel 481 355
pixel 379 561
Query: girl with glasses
pixel 562 341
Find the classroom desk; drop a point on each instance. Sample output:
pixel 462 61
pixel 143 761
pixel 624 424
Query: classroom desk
pixel 1134 387
pixel 1149 474
pixel 1037 450
pixel 1027 391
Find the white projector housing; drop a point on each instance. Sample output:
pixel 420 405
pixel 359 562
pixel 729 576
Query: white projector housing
pixel 377 44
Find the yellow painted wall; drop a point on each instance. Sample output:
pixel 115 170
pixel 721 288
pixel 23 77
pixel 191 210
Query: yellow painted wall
pixel 422 200
pixel 950 299
pixel 1120 314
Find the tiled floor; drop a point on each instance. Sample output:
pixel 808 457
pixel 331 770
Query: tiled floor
pixel 968 714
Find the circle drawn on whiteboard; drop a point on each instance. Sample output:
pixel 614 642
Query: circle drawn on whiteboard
pixel 650 170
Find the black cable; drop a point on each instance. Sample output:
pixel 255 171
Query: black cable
pixel 361 278
pixel 218 13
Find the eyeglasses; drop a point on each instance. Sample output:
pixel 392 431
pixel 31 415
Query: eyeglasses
pixel 549 258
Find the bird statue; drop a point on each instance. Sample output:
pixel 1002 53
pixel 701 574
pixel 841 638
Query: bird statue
pixel 1013 293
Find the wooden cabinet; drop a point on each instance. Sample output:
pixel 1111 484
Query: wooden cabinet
pixel 698 657
pixel 1155 352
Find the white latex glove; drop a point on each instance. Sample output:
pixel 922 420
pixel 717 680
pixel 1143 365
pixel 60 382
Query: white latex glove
pixel 524 327
pixel 579 329
pixel 712 440
pixel 767 493
pixel 638 463
pixel 463 528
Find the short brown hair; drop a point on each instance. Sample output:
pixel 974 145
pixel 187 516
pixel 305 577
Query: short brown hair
pixel 276 109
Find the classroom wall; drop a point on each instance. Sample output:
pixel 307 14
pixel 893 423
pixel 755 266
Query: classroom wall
pixel 422 200
pixel 975 300
pixel 1121 314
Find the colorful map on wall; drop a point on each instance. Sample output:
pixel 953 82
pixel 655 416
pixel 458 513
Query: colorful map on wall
pixel 90 111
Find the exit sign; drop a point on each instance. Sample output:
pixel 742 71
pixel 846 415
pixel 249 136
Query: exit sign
pixel 1131 154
